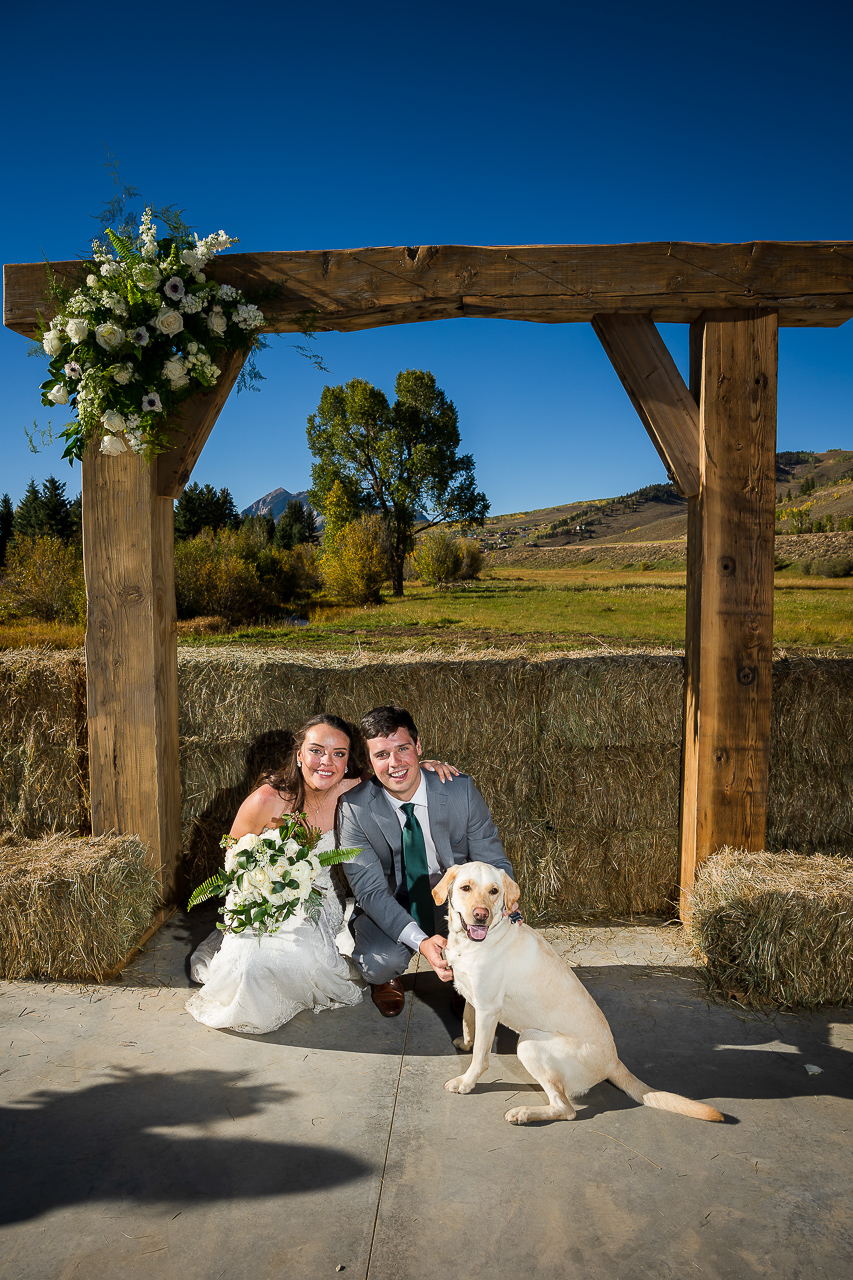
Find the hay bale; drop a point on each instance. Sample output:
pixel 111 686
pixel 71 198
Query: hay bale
pixel 619 700
pixel 44 776
pixel 72 907
pixel 578 873
pixel 775 927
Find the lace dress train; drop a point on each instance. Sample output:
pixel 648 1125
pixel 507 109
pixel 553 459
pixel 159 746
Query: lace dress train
pixel 256 984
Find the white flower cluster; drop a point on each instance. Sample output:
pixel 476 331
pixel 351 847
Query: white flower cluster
pixel 277 877
pixel 145 314
pixel 248 317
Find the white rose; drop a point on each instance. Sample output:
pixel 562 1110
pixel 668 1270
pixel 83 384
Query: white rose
pixel 122 373
pixel 52 342
pixel 169 322
pixel 175 371
pixel 92 281
pixel 259 878
pixel 189 257
pixel 109 335
pixel 244 843
pixel 147 276
pixel 217 321
pixel 77 330
pixel 113 422
pixel 112 445
pixel 303 876
pixel 58 394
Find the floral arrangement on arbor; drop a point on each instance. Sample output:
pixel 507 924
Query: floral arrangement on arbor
pixel 269 877
pixel 141 336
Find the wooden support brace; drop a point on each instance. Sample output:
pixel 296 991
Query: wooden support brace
pixel 665 406
pixel 729 637
pixel 198 417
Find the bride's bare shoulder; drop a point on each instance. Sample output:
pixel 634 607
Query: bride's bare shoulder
pixel 260 809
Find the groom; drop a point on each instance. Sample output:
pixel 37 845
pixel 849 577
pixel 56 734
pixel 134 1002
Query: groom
pixel 410 828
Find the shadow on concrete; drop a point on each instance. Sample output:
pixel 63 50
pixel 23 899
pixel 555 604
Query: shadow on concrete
pixel 107 1143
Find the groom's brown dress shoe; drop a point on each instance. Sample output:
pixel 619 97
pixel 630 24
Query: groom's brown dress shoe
pixel 389 997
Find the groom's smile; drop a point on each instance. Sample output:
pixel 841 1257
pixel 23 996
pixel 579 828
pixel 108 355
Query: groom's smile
pixel 396 762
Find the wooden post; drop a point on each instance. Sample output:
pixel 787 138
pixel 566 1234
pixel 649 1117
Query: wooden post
pixel 729 636
pixel 131 657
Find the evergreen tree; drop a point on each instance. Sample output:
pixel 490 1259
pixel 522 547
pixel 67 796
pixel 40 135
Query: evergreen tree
pixel 7 525
pixel 295 526
pixel 28 513
pixel 75 512
pixel 201 507
pixel 56 514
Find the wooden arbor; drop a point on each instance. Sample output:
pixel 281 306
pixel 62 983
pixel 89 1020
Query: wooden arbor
pixel 716 438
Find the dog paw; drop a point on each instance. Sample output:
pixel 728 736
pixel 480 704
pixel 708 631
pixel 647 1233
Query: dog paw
pixel 465 1046
pixel 517 1115
pixel 458 1085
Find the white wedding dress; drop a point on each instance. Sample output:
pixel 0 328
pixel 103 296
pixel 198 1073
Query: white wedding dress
pixel 255 984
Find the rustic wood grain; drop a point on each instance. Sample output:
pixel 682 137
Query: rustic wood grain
pixel 808 282
pixel 131 657
pixel 198 417
pixel 656 389
pixel 692 655
pixel 727 755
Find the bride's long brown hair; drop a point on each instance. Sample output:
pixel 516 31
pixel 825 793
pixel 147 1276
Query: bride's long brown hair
pixel 288 780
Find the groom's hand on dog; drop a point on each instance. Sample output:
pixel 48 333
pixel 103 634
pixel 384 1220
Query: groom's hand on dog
pixel 431 949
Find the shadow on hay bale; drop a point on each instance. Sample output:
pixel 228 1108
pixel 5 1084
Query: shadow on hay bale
pixel 775 927
pixel 72 907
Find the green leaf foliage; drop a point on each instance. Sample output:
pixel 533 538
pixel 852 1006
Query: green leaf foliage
pixel 401 460
pixel 212 888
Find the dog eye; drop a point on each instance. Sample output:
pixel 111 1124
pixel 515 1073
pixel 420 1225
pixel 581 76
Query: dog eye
pixel 493 891
pixel 466 888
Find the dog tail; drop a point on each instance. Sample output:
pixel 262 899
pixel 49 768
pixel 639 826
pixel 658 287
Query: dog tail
pixel 628 1083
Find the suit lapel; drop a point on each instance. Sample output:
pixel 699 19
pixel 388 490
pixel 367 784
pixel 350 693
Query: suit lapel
pixel 439 821
pixel 389 824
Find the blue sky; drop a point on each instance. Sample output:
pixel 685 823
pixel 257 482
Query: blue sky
pixel 339 126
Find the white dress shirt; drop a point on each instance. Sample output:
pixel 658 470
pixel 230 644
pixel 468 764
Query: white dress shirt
pixel 413 935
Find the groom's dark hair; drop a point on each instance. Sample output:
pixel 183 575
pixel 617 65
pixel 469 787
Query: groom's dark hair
pixel 382 722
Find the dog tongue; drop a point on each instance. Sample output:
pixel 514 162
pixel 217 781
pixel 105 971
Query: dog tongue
pixel 477 932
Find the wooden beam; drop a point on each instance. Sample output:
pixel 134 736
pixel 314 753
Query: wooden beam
pixel 730 593
pixel 198 416
pixel 666 408
pixel 131 657
pixel 807 282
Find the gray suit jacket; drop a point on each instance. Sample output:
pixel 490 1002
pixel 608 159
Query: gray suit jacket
pixel 462 831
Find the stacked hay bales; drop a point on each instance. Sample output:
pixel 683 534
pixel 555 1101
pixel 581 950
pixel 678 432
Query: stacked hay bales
pixel 72 908
pixel 578 756
pixel 44 782
pixel 810 801
pixel 776 927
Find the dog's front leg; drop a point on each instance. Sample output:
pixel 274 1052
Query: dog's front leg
pixel 485 1026
pixel 465 1041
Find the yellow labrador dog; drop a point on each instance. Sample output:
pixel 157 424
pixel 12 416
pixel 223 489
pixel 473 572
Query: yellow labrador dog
pixel 508 973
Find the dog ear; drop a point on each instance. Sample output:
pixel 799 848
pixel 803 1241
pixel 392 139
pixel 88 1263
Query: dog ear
pixel 512 893
pixel 442 889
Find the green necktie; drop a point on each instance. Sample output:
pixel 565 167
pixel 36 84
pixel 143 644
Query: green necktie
pixel 417 872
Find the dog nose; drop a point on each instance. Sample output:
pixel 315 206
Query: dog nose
pixel 480 914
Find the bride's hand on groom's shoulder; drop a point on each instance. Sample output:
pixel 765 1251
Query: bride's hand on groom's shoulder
pixel 444 770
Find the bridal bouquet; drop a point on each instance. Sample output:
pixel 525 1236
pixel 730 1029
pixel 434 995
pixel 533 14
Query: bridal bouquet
pixel 268 877
pixel 140 336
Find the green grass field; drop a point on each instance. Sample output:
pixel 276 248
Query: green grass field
pixel 535 609
pixel 542 610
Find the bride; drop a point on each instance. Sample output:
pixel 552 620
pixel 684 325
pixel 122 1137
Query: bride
pixel 254 984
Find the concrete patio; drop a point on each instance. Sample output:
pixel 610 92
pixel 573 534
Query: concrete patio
pixel 136 1143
